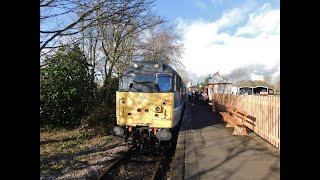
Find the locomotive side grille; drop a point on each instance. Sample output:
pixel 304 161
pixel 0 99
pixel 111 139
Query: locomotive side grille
pixel 177 113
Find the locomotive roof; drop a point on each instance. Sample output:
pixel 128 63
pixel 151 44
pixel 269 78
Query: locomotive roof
pixel 148 66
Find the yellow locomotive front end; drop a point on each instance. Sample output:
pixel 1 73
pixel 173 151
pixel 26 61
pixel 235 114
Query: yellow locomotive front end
pixel 154 110
pixel 148 102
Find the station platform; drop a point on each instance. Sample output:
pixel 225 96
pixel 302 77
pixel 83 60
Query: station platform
pixel 207 150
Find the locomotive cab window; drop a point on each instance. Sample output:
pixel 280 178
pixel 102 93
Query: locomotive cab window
pixel 125 81
pixel 164 82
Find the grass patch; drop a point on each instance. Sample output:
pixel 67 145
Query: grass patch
pixel 63 142
pixel 65 151
pixel 69 144
pixel 107 138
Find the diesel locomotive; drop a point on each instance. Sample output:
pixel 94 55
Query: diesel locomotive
pixel 149 102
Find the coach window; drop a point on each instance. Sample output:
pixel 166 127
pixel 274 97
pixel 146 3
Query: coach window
pixel 164 81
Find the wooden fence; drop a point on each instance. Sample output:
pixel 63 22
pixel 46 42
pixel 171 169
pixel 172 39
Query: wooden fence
pixel 264 111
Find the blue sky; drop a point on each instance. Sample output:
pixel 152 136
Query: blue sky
pixel 221 35
pixel 226 34
pixel 206 9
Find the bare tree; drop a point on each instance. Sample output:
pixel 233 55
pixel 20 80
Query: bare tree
pixel 89 38
pixel 267 79
pixel 183 74
pixel 162 44
pixel 55 13
pixel 277 83
pixel 62 18
pixel 239 75
pixel 117 38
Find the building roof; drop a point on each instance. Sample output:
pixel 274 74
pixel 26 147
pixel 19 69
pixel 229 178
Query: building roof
pixel 219 83
pixel 263 87
pixel 217 79
pixel 255 87
pixel 246 87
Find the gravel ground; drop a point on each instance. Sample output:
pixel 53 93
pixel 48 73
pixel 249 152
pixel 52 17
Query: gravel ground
pixel 71 158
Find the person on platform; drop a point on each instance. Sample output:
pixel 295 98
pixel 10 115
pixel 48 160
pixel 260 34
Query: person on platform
pixel 204 98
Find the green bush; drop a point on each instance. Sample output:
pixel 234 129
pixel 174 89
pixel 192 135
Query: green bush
pixel 102 119
pixel 66 89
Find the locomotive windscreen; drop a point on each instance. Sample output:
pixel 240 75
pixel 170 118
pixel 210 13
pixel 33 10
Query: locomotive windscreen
pixel 148 87
pixel 144 78
pixel 138 83
pixel 146 82
pixel 125 82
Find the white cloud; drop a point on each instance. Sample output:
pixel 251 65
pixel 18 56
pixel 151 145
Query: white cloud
pixel 207 50
pixel 257 77
pixel 231 17
pixel 263 20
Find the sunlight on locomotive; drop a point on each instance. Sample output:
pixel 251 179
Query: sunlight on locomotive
pixel 149 102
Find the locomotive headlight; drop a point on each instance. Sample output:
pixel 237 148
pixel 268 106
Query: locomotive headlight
pixel 135 65
pixel 156 66
pixel 158 108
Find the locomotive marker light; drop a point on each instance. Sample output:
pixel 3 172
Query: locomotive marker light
pixel 135 66
pixel 156 66
pixel 158 108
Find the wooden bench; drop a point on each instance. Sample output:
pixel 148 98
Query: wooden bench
pixel 240 128
pixel 228 116
pixel 235 118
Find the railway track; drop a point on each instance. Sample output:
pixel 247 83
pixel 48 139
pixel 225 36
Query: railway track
pixel 147 164
pixel 135 164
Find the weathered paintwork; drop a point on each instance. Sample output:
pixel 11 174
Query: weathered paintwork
pixel 139 109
